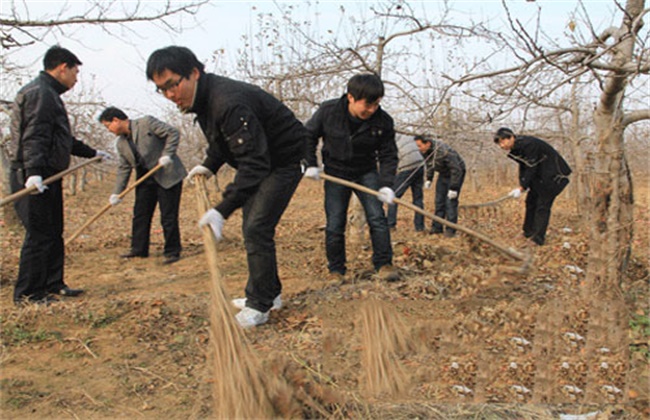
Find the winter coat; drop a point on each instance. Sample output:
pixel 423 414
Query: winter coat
pixel 248 129
pixel 153 139
pixel 409 156
pixel 541 167
pixel 41 138
pixel 447 162
pixel 349 155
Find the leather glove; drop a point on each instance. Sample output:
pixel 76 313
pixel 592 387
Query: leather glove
pixel 36 181
pixel 313 173
pixel 386 195
pixel 104 155
pixel 516 193
pixel 452 194
pixel 199 170
pixel 215 220
pixel 114 199
pixel 165 161
pixel 427 185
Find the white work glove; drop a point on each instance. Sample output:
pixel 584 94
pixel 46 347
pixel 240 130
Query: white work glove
pixel 199 170
pixel 215 220
pixel 104 155
pixel 516 193
pixel 165 161
pixel 114 199
pixel 452 194
pixel 313 172
pixel 386 195
pixel 427 185
pixel 36 181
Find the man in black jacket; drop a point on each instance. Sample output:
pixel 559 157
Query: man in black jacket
pixel 255 133
pixel 42 143
pixel 543 172
pixel 358 146
pixel 441 158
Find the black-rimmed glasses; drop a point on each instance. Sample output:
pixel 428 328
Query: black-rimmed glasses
pixel 169 86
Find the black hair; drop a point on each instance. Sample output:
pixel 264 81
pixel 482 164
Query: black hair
pixel 422 138
pixel 112 112
pixel 180 60
pixel 56 55
pixel 366 86
pixel 503 133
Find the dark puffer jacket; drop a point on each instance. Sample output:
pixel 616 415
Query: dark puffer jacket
pixel 447 162
pixel 41 139
pixel 348 156
pixel 541 167
pixel 248 129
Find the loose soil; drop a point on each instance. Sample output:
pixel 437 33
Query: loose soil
pixel 136 344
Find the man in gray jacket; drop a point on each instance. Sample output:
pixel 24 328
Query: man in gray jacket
pixel 410 173
pixel 142 144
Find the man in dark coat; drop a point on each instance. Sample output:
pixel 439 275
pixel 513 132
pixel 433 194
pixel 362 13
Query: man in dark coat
pixel 358 146
pixel 441 158
pixel 42 143
pixel 543 172
pixel 261 138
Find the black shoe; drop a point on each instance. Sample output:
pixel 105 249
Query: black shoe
pixel 435 232
pixel 171 259
pixel 132 254
pixel 46 301
pixel 449 234
pixel 66 291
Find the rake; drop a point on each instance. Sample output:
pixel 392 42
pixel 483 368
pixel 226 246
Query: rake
pixel 26 191
pixel 108 206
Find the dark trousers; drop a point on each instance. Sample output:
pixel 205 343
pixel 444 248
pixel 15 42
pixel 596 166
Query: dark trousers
pixel 337 200
pixel 147 195
pixel 445 208
pixel 404 180
pixel 538 211
pixel 42 254
pixel 261 214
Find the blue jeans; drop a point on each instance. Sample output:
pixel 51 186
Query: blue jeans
pixel 337 200
pixel 260 215
pixel 446 208
pixel 402 183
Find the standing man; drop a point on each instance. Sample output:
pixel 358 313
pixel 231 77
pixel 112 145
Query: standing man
pixel 255 133
pixel 358 146
pixel 543 172
pixel 42 143
pixel 410 173
pixel 441 158
pixel 143 143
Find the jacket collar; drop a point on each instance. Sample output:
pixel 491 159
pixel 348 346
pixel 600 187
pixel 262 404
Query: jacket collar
pixel 59 87
pixel 202 95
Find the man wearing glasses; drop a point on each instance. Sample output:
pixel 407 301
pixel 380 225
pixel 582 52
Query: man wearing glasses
pixel 255 133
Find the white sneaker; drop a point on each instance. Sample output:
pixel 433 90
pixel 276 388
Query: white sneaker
pixel 241 303
pixel 249 317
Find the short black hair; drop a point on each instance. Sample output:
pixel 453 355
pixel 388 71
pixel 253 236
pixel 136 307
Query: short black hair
pixel 422 137
pixel 366 86
pixel 57 55
pixel 503 133
pixel 180 60
pixel 112 112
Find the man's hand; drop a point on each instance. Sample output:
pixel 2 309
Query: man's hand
pixel 516 193
pixel 427 185
pixel 452 194
pixel 386 195
pixel 313 172
pixel 199 170
pixel 114 199
pixel 36 181
pixel 104 155
pixel 215 220
pixel 165 161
